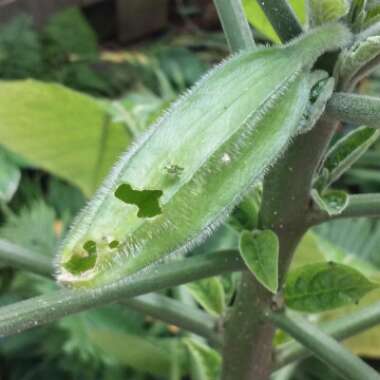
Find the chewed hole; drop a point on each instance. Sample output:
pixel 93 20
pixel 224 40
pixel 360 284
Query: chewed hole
pixel 146 200
pixel 82 261
pixel 113 244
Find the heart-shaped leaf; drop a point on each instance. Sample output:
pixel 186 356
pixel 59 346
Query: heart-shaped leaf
pixel 331 201
pixel 260 251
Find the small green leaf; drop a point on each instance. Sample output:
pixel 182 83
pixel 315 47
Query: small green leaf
pixel 356 61
pixel 348 150
pixel 357 13
pixel 331 201
pixel 209 293
pixel 257 17
pixel 323 286
pixel 260 251
pixel 205 362
pixel 323 11
pixel 9 177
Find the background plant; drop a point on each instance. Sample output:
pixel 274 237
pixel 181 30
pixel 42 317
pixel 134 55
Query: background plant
pixel 287 207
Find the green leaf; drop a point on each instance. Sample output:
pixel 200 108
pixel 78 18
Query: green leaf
pixel 260 251
pixel 259 21
pixel 9 177
pixel 355 62
pixel 331 201
pixel 348 150
pixel 205 362
pixel 209 293
pixel 60 130
pixel 318 287
pixel 323 11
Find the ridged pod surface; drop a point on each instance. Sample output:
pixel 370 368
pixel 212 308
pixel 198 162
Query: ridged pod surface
pixel 193 166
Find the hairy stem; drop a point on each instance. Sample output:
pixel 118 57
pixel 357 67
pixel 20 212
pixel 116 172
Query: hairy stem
pixel 235 25
pixel 41 310
pixel 356 109
pixel 340 329
pixel 349 366
pixel 281 16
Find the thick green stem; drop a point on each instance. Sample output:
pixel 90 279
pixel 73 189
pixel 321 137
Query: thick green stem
pixel 235 25
pixel 55 305
pixel 285 206
pixel 281 16
pixel 356 109
pixel 340 329
pixel 360 205
pixel 349 366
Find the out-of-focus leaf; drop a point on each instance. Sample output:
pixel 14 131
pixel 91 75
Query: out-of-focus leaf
pixel 32 228
pixel 209 293
pixel 323 286
pixel 333 202
pixel 205 362
pixel 9 177
pixel 259 21
pixel 323 11
pixel 67 33
pixel 260 251
pixel 137 110
pixel 353 242
pixel 60 130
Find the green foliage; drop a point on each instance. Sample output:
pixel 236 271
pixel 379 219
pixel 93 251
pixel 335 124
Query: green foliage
pixel 209 293
pixel 347 151
pixel 259 21
pixel 80 149
pixel 333 202
pixel 318 287
pixel 20 50
pixel 9 176
pixel 260 251
pixel 205 362
pixel 323 11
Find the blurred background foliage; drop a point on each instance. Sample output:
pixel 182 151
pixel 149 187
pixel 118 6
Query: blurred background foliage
pixel 115 87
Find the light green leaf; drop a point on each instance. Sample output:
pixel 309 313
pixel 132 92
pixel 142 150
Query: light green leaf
pixel 331 201
pixel 60 130
pixel 323 11
pixel 323 286
pixel 9 177
pixel 205 362
pixel 209 293
pixel 348 150
pixel 259 21
pixel 260 251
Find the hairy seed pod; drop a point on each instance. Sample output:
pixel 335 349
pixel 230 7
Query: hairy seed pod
pixel 191 168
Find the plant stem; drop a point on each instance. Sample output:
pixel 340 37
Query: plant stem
pixel 176 313
pixel 55 305
pixel 235 25
pixel 164 308
pixel 340 329
pixel 360 205
pixel 281 16
pixel 20 257
pixel 356 109
pixel 349 366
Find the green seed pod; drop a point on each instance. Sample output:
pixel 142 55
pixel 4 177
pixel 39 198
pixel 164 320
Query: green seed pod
pixel 187 173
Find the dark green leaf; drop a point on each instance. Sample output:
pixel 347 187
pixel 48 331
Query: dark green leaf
pixel 323 286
